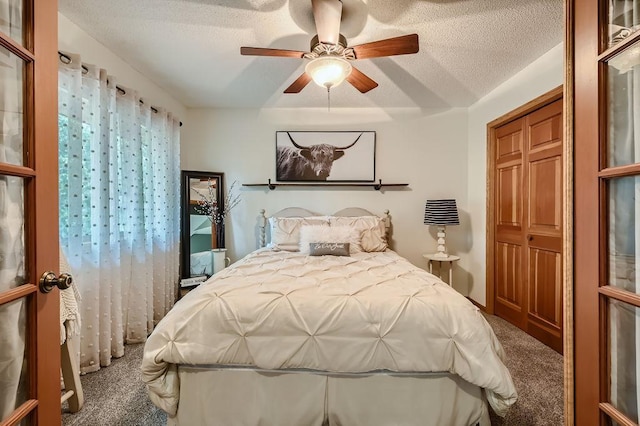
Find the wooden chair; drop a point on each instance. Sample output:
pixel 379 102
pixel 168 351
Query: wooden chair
pixel 69 362
pixel 71 378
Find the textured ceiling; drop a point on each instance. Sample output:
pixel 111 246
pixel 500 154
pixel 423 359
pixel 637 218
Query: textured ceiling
pixel 191 48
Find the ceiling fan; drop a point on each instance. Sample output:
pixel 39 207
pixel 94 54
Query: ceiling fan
pixel 330 55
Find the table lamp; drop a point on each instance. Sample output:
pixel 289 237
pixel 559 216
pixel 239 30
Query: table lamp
pixel 441 213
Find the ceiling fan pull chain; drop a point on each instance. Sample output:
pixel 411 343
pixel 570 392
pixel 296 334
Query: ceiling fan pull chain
pixel 328 98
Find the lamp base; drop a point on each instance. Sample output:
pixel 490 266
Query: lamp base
pixel 441 251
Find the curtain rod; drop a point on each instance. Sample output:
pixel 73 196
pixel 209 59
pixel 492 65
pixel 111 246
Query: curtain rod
pixel 67 60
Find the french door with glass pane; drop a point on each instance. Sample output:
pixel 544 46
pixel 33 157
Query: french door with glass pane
pixel 607 211
pixel 29 318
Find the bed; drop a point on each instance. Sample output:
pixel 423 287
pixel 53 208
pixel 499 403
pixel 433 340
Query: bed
pixel 293 335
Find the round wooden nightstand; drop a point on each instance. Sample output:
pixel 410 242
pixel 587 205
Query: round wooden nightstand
pixel 451 258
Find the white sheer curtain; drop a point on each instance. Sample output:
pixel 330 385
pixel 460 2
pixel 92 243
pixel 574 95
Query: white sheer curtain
pixel 119 209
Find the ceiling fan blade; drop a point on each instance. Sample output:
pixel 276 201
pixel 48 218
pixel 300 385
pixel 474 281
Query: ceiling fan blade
pixel 402 45
pixel 299 84
pixel 360 81
pixel 327 14
pixel 262 51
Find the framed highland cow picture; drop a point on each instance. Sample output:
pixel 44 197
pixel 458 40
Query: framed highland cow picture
pixel 340 156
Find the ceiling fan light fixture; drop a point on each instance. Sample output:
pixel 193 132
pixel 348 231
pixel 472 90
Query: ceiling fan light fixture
pixel 328 71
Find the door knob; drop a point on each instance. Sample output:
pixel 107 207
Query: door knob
pixel 48 281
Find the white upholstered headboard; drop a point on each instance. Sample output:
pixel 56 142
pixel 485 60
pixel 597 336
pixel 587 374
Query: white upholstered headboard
pixel 301 212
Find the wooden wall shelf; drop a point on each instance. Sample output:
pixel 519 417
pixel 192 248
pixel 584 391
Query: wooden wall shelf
pixel 377 186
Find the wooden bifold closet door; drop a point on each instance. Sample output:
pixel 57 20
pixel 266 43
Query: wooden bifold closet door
pixel 528 223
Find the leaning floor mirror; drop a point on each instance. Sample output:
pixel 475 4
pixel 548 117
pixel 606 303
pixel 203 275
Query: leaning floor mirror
pixel 198 235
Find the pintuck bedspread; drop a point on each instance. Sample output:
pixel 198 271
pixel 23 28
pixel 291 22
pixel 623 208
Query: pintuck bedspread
pixel 367 312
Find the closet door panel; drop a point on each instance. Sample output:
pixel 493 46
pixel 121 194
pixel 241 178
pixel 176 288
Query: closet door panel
pixel 510 294
pixel 509 287
pixel 545 195
pixel 545 296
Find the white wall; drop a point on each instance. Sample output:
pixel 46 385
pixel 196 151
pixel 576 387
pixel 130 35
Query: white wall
pixel 73 39
pixel 439 153
pixel 427 149
pixel 541 76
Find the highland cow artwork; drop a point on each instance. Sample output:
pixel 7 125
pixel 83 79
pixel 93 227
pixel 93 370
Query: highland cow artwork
pixel 347 156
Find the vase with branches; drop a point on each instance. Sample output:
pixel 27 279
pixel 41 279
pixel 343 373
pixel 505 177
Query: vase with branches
pixel 217 212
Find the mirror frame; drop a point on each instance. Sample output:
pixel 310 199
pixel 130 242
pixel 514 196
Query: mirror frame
pixel 185 216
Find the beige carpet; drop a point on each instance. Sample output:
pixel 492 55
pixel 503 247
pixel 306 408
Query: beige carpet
pixel 537 373
pixel 116 396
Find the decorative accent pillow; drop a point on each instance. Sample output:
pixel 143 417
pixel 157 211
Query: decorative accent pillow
pixel 326 234
pixel 285 231
pixel 373 234
pixel 331 249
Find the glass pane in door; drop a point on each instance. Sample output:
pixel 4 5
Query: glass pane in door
pixel 14 386
pixel 624 349
pixel 623 72
pixel 11 107
pixel 27 421
pixel 624 235
pixel 12 19
pixel 12 242
pixel 624 20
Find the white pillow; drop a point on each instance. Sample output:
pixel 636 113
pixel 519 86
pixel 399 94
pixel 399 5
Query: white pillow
pixel 371 229
pixel 326 234
pixel 285 231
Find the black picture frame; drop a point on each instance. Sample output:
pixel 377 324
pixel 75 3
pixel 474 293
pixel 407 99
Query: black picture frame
pixel 192 243
pixel 356 162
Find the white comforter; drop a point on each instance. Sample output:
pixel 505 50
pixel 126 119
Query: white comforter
pixel 367 312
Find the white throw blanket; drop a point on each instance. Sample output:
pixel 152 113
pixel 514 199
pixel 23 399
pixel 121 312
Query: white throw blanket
pixel 69 312
pixel 364 313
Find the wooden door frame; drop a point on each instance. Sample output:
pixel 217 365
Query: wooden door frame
pixel 564 92
pixel 590 385
pixel 567 219
pixel 47 358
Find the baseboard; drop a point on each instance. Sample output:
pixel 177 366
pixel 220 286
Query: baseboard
pixel 482 308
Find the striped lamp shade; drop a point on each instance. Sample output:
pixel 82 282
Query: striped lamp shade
pixel 441 212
